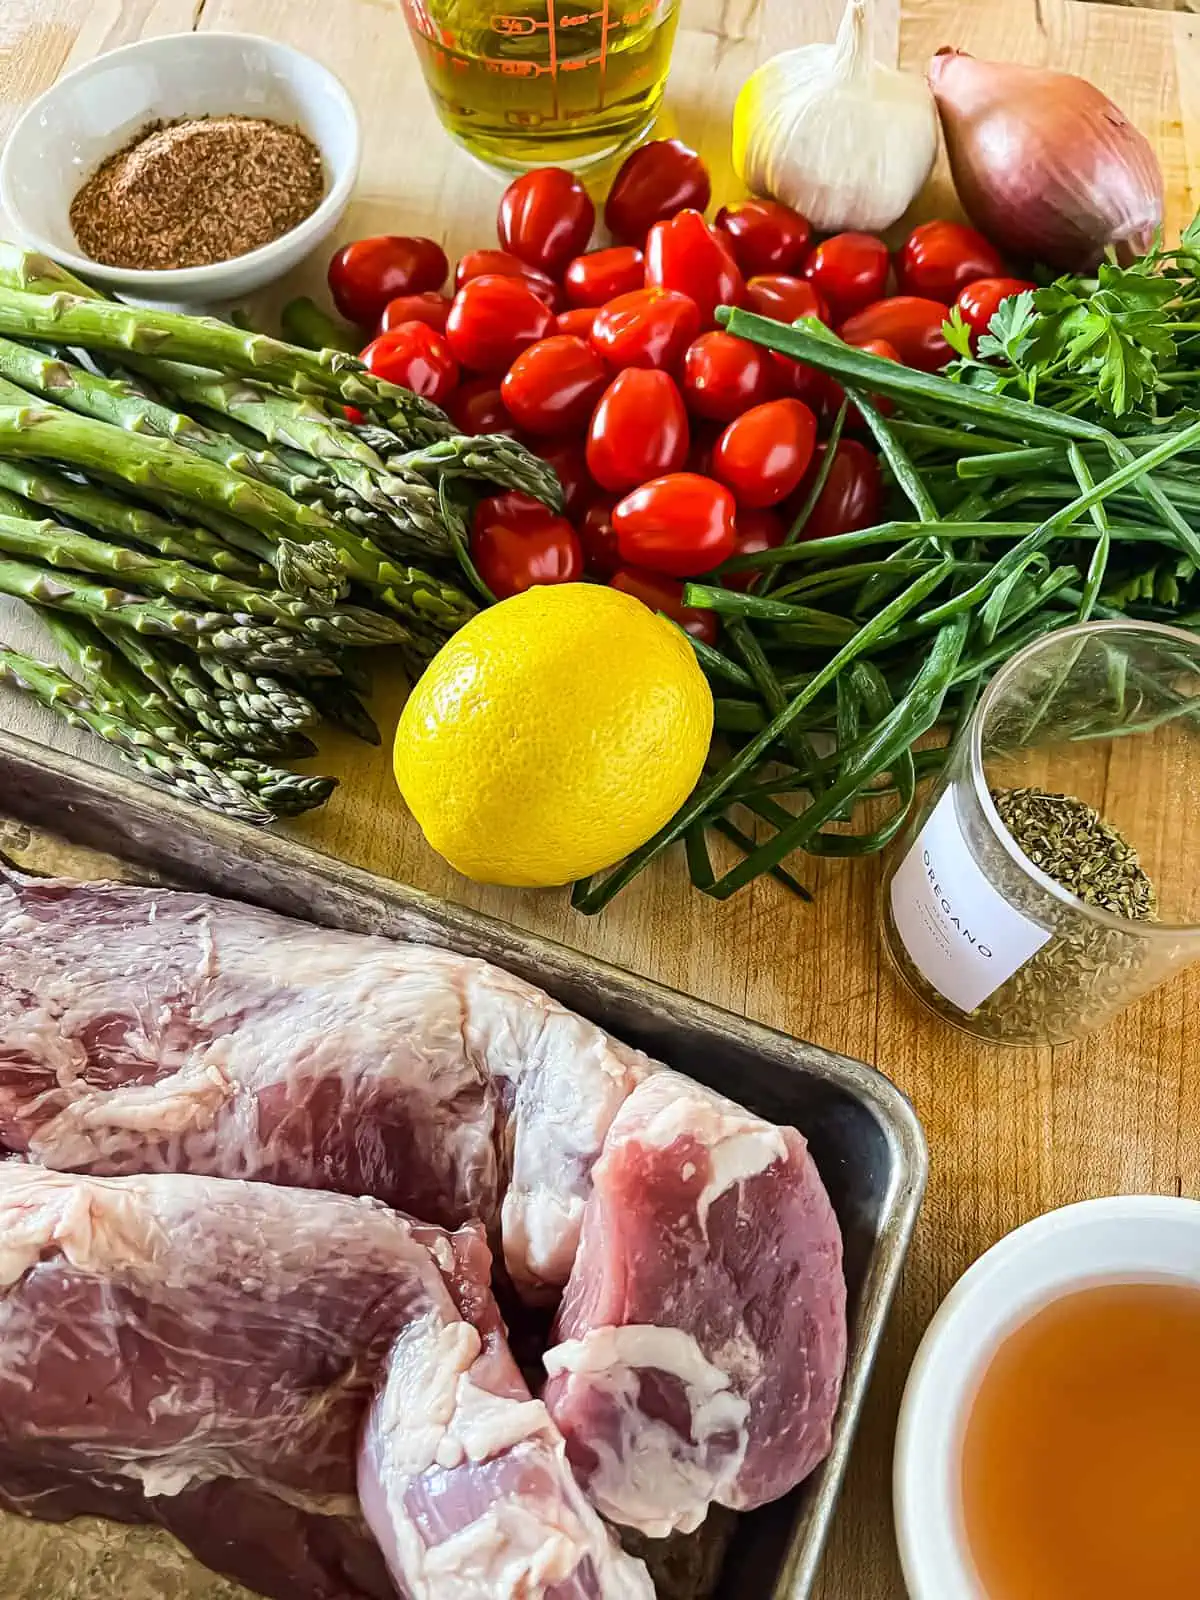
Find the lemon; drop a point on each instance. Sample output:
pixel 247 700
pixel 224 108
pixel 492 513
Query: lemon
pixel 552 735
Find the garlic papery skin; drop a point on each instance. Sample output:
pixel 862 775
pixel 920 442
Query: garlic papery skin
pixel 834 134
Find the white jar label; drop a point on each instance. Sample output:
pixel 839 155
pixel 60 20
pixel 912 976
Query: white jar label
pixel 959 931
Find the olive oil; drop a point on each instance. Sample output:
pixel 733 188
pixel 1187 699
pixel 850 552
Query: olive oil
pixel 526 83
pixel 1081 1454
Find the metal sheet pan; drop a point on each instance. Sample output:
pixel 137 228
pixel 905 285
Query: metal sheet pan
pixel 863 1133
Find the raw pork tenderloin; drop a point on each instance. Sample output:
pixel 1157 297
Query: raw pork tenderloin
pixel 700 1346
pixel 465 1480
pixel 201 1354
pixel 148 1030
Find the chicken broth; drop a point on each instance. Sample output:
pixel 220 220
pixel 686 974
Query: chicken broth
pixel 1081 1455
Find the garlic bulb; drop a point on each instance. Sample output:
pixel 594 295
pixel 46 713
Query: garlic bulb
pixel 835 135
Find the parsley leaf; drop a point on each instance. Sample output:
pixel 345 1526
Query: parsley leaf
pixel 1009 331
pixel 957 334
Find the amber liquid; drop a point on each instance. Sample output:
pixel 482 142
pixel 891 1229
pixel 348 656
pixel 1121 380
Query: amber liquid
pixel 525 83
pixel 1081 1457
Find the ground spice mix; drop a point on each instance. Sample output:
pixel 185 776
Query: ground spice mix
pixel 188 193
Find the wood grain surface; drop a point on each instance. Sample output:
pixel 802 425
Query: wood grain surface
pixel 1011 1133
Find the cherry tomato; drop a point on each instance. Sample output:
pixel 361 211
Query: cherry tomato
pixel 546 217
pixel 477 407
pixel 503 264
pixel 886 352
pixel 601 275
pixel 648 328
pixel 681 524
pixel 724 376
pixel 755 530
pixel 656 181
pixel 773 294
pixel 685 254
pixel 365 275
pixel 599 539
pixel 430 308
pixel 666 595
pixel 940 258
pixel 417 358
pixel 853 494
pixel 553 386
pixel 493 319
pixel 639 431
pixel 514 507
pixel 354 415
pixel 514 557
pixel 980 300
pixel 820 393
pixel 850 270
pixel 911 325
pixel 579 321
pixel 569 460
pixel 765 236
pixel 764 453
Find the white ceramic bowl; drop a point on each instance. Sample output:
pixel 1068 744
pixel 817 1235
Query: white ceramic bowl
pixel 95 110
pixel 1136 1238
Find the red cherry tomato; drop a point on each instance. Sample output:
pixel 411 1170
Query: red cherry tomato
pixel 569 460
pixel 477 407
pixel 940 258
pixel 365 275
pixel 493 319
pixel 724 376
pixel 886 352
pixel 765 452
pixel 666 595
pixel 786 299
pixel 579 321
pixel 756 531
pixel 430 308
pixel 850 270
pixel 912 326
pixel 546 217
pixel 354 415
pixel 553 386
pixel 685 254
pixel 980 300
pixel 599 539
pixel 656 181
pixel 416 358
pixel 820 393
pixel 639 431
pixel 682 525
pixel 853 494
pixel 601 275
pixel 765 236
pixel 515 549
pixel 503 264
pixel 513 507
pixel 648 328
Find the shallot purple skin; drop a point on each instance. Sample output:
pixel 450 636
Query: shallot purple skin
pixel 1044 163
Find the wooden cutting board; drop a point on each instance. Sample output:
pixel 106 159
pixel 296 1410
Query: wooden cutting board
pixel 1012 1133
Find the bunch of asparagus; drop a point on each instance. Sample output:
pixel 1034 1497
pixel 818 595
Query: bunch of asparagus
pixel 208 537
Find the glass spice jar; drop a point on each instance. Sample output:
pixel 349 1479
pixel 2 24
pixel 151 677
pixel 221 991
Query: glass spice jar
pixel 1053 873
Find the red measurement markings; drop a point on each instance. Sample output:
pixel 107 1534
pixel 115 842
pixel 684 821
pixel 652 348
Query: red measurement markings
pixel 553 53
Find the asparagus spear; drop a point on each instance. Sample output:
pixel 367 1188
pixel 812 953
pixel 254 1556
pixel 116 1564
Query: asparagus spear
pixel 338 703
pixel 259 715
pixel 117 687
pixel 157 465
pixel 83 503
pixel 268 648
pixel 286 422
pixel 65 318
pixel 490 457
pixel 62 548
pixel 169 763
pixel 304 323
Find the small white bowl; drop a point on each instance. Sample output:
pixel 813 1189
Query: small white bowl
pixel 92 112
pixel 1131 1238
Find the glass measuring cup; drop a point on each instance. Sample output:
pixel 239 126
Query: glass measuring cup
pixel 544 82
pixel 1109 714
